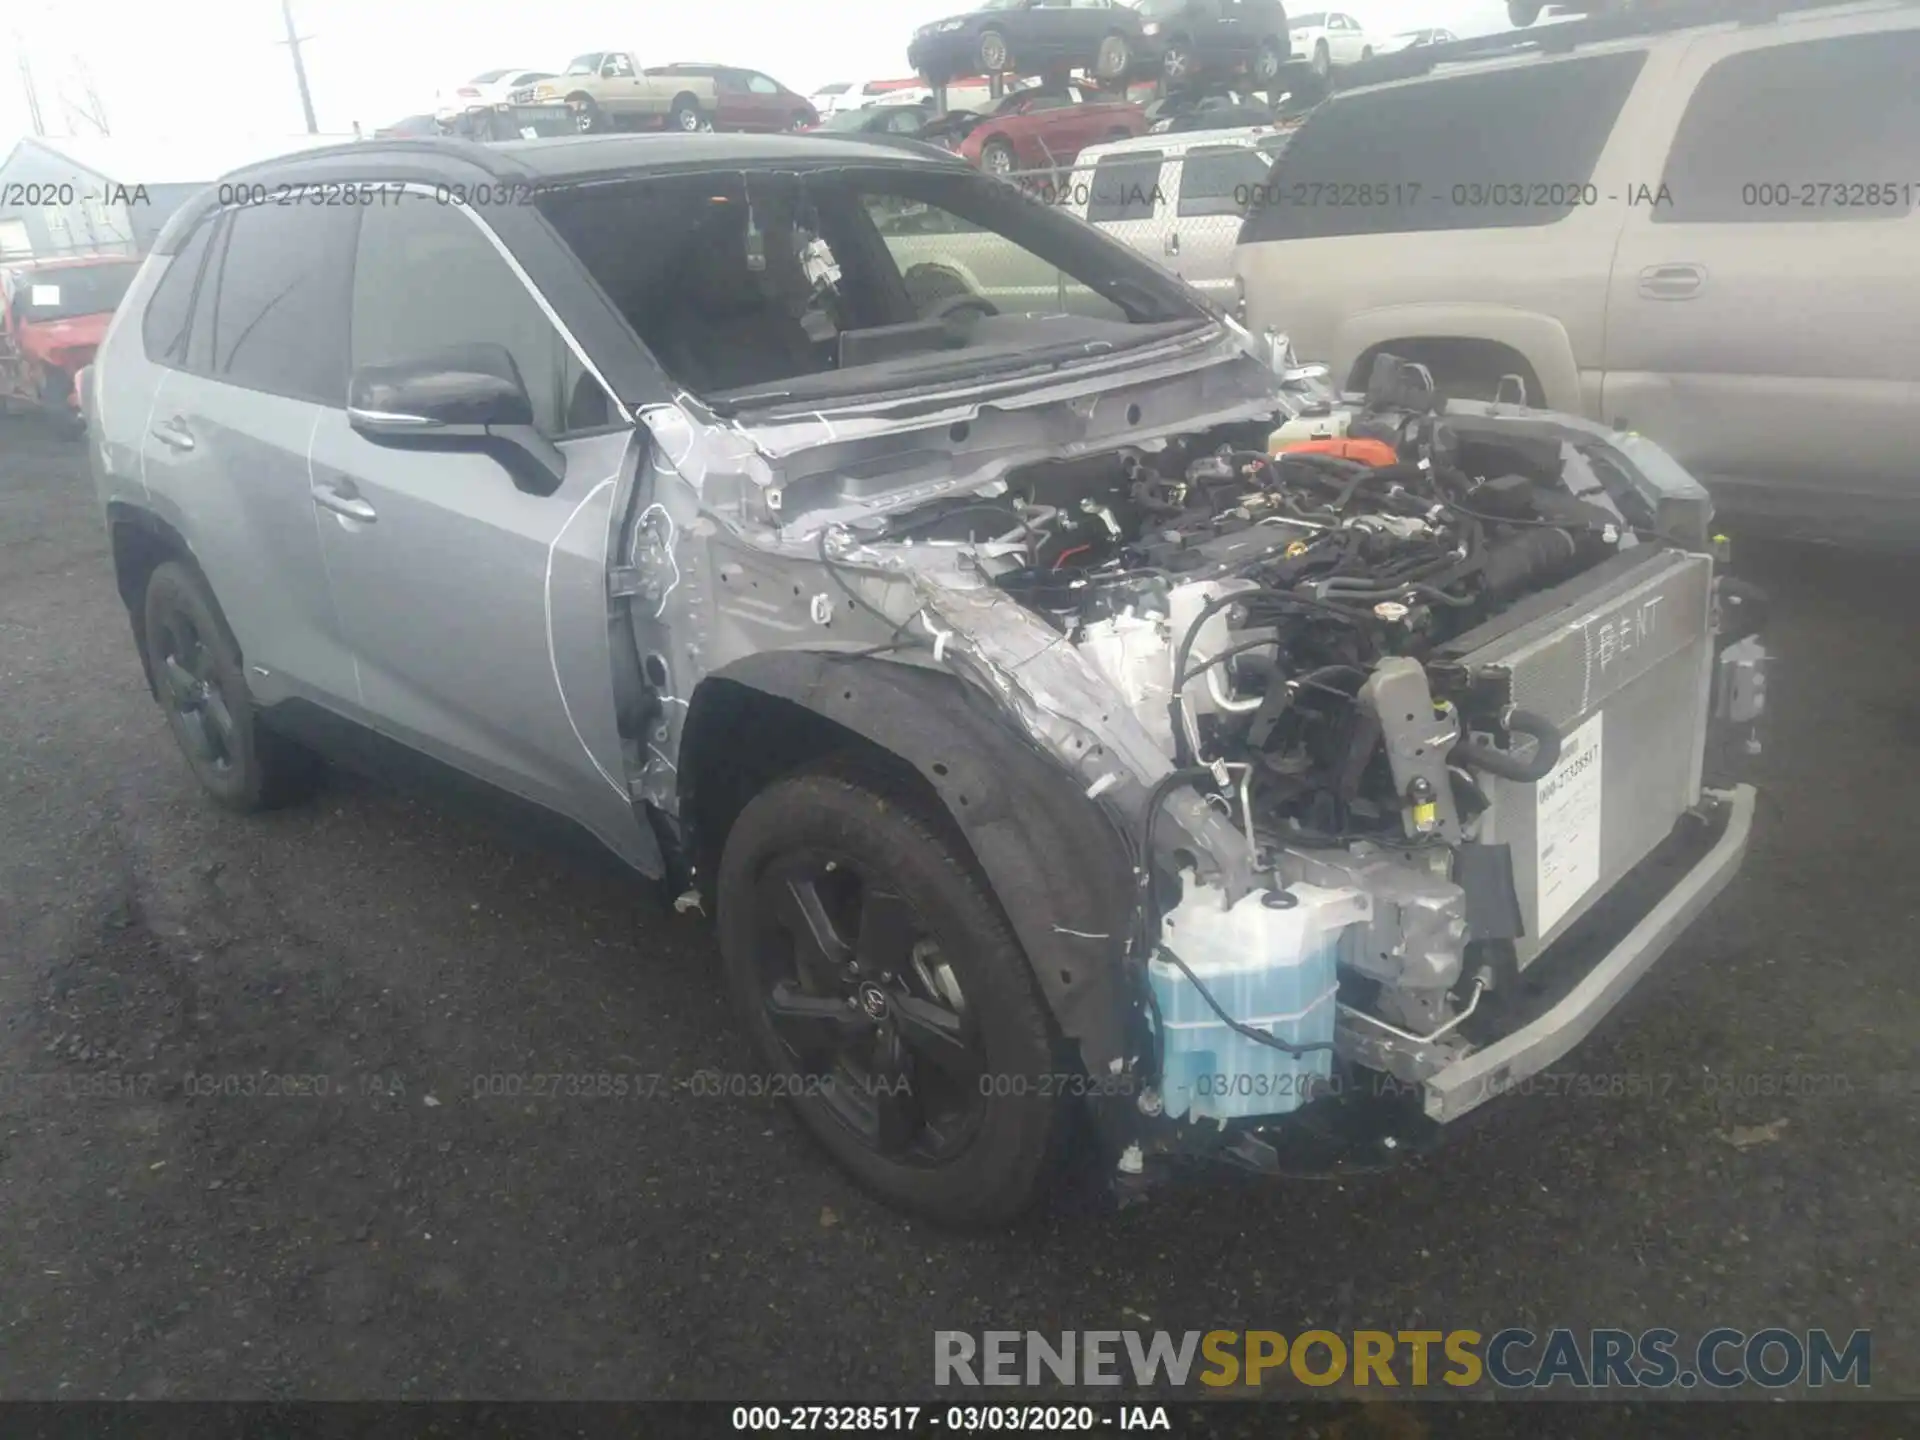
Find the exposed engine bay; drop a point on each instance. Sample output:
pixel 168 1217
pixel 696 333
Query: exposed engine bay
pixel 1334 632
pixel 1379 697
pixel 1248 604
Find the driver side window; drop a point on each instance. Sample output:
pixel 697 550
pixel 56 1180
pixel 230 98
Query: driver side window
pixel 427 279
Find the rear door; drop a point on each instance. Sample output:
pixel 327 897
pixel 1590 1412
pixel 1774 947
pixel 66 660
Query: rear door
pixel 1050 26
pixel 1217 28
pixel 1761 319
pixel 738 108
pixel 248 381
pixel 1125 197
pixel 477 611
pixel 773 107
pixel 1211 189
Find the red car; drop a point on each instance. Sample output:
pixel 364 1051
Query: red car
pixel 748 99
pixel 53 316
pixel 1044 128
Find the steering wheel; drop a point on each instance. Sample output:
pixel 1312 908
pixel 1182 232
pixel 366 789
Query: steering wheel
pixel 953 305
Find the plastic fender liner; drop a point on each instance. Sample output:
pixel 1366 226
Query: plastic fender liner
pixel 1054 860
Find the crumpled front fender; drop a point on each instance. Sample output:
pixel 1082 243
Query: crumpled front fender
pixel 1052 857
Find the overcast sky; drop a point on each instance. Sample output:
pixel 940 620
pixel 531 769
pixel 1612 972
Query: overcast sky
pixel 183 68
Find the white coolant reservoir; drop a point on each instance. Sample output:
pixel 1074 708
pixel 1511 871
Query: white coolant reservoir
pixel 1270 966
pixel 1330 426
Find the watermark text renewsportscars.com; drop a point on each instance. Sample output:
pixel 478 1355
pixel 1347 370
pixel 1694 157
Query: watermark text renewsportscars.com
pixel 1513 1358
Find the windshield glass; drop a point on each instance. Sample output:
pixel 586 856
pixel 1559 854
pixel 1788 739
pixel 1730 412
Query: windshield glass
pixel 1160 9
pixel 1003 4
pixel 583 65
pixel 838 89
pixel 487 77
pixel 69 291
pixel 761 288
pixel 1308 21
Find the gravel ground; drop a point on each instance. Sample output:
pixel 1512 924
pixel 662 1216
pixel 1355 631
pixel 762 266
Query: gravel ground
pixel 403 1237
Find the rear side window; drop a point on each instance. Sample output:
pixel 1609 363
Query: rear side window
pixel 1220 179
pixel 1125 187
pixel 280 313
pixel 1497 150
pixel 1842 150
pixel 163 329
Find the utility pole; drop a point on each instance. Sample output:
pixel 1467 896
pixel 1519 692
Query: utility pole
pixel 26 84
pixel 292 42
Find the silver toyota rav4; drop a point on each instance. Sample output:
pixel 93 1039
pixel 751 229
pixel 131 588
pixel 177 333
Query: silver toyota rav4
pixel 1094 738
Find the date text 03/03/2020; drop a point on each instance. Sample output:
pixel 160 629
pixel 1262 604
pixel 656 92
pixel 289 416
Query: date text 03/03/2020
pixel 954 1419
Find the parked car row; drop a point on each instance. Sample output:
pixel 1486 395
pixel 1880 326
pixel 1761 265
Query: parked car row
pixel 1179 41
pixel 613 90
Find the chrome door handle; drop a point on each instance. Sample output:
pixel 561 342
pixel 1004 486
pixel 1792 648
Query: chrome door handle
pixel 173 434
pixel 344 503
pixel 1671 282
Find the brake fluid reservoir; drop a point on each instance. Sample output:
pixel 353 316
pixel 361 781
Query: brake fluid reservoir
pixel 1273 970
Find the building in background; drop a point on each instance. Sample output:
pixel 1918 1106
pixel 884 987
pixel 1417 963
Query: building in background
pixel 110 194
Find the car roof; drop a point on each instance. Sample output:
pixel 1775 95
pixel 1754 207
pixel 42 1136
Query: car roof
pixel 1682 25
pixel 563 158
pixel 1174 144
pixel 22 264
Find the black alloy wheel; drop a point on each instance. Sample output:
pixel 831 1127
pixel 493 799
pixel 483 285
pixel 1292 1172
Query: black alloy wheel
pixel 887 997
pixel 870 1011
pixel 191 692
pixel 203 691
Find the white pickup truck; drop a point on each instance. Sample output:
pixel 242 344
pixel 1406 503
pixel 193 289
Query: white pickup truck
pixel 609 90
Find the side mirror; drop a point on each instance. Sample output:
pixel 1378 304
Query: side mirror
pixel 467 398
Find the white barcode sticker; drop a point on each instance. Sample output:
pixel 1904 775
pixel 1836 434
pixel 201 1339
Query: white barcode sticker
pixel 1567 827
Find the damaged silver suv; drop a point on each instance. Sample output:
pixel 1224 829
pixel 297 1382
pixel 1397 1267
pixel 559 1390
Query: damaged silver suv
pixel 1082 760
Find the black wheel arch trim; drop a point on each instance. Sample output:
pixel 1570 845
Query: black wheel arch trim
pixel 138 535
pixel 1052 857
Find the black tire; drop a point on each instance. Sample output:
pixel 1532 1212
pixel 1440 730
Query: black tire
pixel 995 57
pixel 998 1164
pixel 685 115
pixel 588 117
pixel 1322 59
pixel 997 158
pixel 202 687
pixel 1366 53
pixel 1114 58
pixel 1267 63
pixel 1523 13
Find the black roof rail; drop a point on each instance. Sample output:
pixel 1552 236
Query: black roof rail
pixel 1564 36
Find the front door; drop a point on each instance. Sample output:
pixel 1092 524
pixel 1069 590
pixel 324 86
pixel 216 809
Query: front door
pixel 1760 317
pixel 477 611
